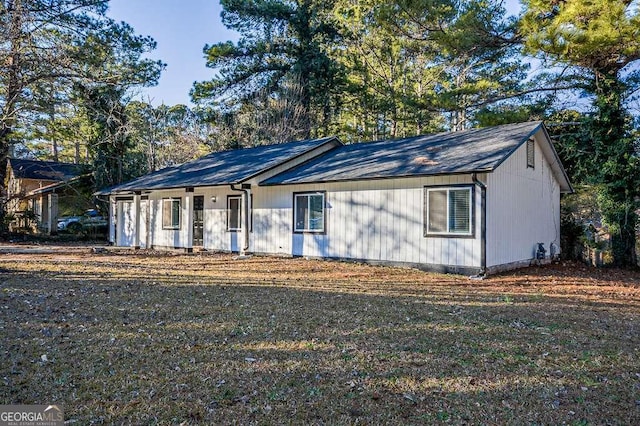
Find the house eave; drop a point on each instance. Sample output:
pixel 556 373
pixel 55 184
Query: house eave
pixel 377 178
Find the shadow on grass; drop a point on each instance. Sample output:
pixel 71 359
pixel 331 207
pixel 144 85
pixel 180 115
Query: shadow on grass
pixel 131 345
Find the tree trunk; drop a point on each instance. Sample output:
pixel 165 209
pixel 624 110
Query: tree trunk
pixel 52 135
pixel 305 65
pixel 12 92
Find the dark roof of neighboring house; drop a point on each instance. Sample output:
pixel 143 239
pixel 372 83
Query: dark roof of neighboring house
pixel 45 170
pixel 221 168
pixel 469 151
pixel 75 182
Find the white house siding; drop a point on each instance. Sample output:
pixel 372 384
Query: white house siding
pixel 216 235
pixel 166 238
pixel 112 219
pixel 272 221
pixel 144 223
pixel 377 220
pixel 125 223
pixel 523 208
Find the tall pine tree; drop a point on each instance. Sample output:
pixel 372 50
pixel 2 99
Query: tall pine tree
pixel 282 54
pixel 600 41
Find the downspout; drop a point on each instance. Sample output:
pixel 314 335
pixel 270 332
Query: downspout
pixel 246 189
pixel 483 224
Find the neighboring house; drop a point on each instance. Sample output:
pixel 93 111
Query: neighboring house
pixel 476 201
pixel 31 192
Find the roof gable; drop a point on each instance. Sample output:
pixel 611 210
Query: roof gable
pixel 474 150
pixel 44 170
pixel 224 167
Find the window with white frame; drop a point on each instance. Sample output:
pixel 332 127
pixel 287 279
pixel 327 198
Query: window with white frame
pixel 309 212
pixel 449 211
pixel 171 213
pixel 234 213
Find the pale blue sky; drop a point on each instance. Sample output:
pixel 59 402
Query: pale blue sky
pixel 182 28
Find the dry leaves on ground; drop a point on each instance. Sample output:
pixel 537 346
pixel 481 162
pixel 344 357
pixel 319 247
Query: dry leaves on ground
pixel 144 338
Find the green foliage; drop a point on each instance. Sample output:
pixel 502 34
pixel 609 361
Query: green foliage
pixel 388 92
pixel 112 55
pixel 163 136
pixel 283 44
pixel 360 69
pixel 597 35
pixel 512 112
pixel 65 68
pixel 601 40
pixel 578 211
pixel 421 63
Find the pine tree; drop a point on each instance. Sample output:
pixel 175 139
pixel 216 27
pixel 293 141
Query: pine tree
pixel 600 41
pixel 282 53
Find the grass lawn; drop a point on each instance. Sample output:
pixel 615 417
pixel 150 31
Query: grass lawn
pixel 152 338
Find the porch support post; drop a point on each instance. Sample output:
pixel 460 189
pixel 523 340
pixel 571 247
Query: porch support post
pixel 246 216
pixel 52 214
pixel 483 223
pixel 136 231
pixel 112 220
pixel 188 220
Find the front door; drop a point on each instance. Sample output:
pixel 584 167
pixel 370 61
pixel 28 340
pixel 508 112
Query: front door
pixel 198 220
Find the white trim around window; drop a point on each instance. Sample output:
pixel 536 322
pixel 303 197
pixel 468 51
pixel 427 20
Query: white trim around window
pixel 234 213
pixel 449 211
pixel 171 213
pixel 309 212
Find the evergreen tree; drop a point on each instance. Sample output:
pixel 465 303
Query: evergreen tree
pixel 35 40
pixel 391 76
pixel 601 42
pixel 112 56
pixel 282 53
pixel 474 50
pixel 50 47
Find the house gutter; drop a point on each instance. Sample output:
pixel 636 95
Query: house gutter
pixel 246 190
pixel 483 224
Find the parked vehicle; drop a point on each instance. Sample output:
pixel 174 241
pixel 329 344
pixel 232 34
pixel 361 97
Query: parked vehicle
pixel 90 222
pixel 68 223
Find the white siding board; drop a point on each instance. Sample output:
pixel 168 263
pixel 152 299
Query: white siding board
pixel 523 208
pixel 374 220
pixel 125 224
pixel 384 224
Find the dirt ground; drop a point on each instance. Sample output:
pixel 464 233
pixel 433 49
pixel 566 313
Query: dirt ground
pixel 123 337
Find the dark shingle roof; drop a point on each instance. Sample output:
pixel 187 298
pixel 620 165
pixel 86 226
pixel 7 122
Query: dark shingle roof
pixel 45 170
pixel 221 168
pixel 475 150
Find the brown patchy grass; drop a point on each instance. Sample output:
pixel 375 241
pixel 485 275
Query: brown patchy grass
pixel 160 338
